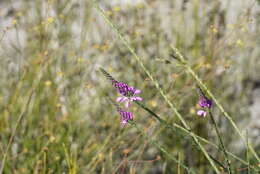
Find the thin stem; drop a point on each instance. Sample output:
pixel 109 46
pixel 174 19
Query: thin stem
pixel 15 129
pixel 221 141
pixel 172 106
pixel 174 125
pixel 162 149
pixel 247 154
pixel 204 87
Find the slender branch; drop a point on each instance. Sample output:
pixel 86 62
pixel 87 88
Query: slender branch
pixel 15 129
pixel 163 150
pixel 221 141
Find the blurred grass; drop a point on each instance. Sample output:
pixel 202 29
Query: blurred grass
pixel 53 49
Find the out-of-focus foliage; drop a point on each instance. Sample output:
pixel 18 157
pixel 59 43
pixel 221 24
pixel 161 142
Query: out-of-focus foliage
pixel 50 52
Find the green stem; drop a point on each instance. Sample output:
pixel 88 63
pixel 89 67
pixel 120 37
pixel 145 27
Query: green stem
pixel 174 125
pixel 221 141
pixel 163 150
pixel 180 57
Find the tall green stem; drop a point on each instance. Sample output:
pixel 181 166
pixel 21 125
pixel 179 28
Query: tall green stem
pixel 221 141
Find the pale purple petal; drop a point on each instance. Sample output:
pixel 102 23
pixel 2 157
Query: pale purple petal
pixel 131 88
pixel 131 116
pixel 138 98
pixel 137 91
pixel 202 113
pixel 121 99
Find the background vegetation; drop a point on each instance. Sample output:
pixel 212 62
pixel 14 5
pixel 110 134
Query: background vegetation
pixel 54 116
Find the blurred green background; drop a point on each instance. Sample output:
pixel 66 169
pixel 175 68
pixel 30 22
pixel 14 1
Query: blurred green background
pixel 53 94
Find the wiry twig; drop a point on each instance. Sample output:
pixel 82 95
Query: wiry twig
pixel 108 76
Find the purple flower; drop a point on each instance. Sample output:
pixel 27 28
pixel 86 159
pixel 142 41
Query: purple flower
pixel 204 102
pixel 201 113
pixel 125 116
pixel 128 94
pixel 124 89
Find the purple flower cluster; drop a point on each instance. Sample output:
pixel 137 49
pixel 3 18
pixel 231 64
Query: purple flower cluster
pixel 124 89
pixel 204 103
pixel 128 95
pixel 125 116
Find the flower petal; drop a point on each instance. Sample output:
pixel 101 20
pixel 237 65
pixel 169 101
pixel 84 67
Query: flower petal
pixel 138 98
pixel 121 99
pixel 202 113
pixel 137 91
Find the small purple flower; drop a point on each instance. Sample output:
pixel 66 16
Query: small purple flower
pixel 201 113
pixel 128 94
pixel 124 89
pixel 125 116
pixel 204 102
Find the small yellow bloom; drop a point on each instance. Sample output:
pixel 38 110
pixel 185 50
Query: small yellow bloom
pixel 126 151
pixel 109 13
pixel 153 103
pixel 192 111
pixel 104 47
pixel 239 42
pixel 36 28
pixel 244 29
pixel 174 75
pixel 137 33
pixel 230 26
pixel 100 156
pixel 60 74
pixel 88 86
pixel 61 16
pixel 25 150
pixel 96 46
pixel 45 53
pixel 116 9
pixel 140 5
pixel 214 30
pixel 110 69
pixel 50 20
pixel 19 14
pixel 48 83
pixel 58 105
pixel 14 22
pixel 52 139
pixel 56 158
pixel 208 65
pixel 80 59
pixel 50 1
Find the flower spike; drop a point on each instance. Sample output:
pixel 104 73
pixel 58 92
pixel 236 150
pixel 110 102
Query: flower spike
pixel 127 92
pixel 204 103
pixel 125 115
pixel 108 76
